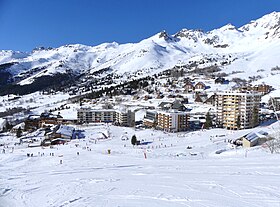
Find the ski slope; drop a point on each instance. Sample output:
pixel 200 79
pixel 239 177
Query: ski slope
pixel 172 175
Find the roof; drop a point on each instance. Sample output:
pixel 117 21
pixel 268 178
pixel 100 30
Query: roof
pixel 172 105
pixel 253 136
pixel 164 103
pixel 2 123
pixel 200 83
pixel 50 115
pixel 33 117
pixel 177 104
pixel 65 130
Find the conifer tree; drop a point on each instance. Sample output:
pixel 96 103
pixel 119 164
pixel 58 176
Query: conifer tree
pixel 133 140
pixel 19 132
pixel 208 122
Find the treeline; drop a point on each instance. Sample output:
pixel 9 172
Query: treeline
pixel 126 88
pixel 55 82
pixel 12 111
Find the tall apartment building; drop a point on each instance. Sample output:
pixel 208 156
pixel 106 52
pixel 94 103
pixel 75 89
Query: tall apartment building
pixel 123 118
pixel 172 121
pixel 237 110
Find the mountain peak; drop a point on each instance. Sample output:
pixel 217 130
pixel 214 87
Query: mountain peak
pixel 166 36
pixel 269 21
pixel 228 27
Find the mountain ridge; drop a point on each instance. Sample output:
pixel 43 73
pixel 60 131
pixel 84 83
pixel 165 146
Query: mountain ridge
pixel 246 45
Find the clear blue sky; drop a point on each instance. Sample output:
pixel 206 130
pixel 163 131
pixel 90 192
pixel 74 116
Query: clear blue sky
pixel 25 24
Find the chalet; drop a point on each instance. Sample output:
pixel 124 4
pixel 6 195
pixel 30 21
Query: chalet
pixel 32 122
pixel 200 86
pixel 189 87
pixel 245 88
pixel 211 99
pixel 176 105
pixel 205 98
pixel 47 119
pixel 254 138
pixel 200 98
pixel 262 88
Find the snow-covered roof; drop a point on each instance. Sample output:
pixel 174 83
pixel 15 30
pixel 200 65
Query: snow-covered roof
pixel 65 130
pixel 2 123
pixel 33 117
pixel 21 125
pixel 253 136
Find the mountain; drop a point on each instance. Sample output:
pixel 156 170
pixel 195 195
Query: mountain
pixel 251 50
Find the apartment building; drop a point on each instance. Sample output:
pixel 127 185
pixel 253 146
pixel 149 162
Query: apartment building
pixel 274 103
pixel 150 119
pixel 172 121
pixel 123 118
pixel 236 110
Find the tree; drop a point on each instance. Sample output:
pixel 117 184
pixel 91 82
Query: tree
pixel 255 118
pixel 8 126
pixel 133 140
pixel 19 132
pixel 238 122
pixel 273 143
pixel 208 122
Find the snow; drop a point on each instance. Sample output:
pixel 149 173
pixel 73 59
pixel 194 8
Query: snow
pixel 172 175
pixel 251 47
pixel 2 124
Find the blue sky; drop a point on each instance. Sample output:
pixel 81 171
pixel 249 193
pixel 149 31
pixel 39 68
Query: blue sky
pixel 25 24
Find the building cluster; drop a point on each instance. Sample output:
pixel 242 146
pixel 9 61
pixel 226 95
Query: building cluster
pixel 191 87
pixel 117 117
pixel 234 110
pixel 261 88
pixel 45 120
pixel 171 117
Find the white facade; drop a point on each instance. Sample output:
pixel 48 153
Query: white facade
pixel 123 118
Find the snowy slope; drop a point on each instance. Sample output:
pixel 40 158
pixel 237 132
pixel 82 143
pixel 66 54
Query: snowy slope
pixel 253 46
pixel 172 175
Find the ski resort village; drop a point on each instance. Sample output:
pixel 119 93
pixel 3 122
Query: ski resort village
pixel 190 119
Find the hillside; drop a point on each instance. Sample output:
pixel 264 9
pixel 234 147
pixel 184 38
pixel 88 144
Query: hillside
pixel 252 49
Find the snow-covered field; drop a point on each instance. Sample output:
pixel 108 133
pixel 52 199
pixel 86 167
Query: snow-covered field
pixel 172 175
